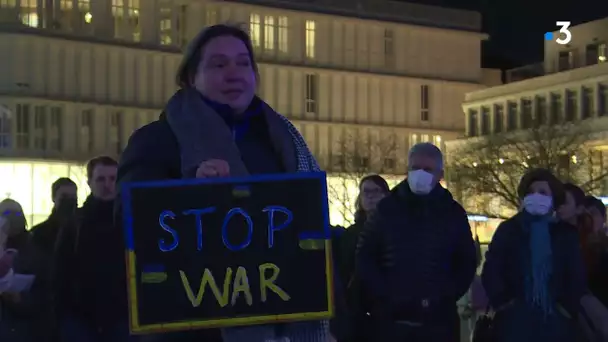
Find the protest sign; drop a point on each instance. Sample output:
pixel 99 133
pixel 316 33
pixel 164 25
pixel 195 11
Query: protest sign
pixel 227 251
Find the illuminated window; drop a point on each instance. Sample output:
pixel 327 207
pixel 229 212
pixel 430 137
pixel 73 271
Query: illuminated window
pixel 389 48
pixel 126 19
pixel 211 17
pixel 55 128
pixel 424 103
pixel 283 34
pixel 66 4
pixel 23 126
pixel 8 3
pixel 254 30
pixel 31 185
pixel 29 13
pixel 165 26
pixel 269 32
pixel 602 53
pixel 413 139
pixel 310 39
pixel 5 127
pixel 85 135
pixel 84 9
pixel 425 138
pixel 115 131
pixel 40 128
pixel 437 141
pixel 311 99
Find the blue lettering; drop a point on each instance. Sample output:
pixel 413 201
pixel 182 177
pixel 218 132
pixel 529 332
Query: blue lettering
pixel 162 244
pixel 271 226
pixel 247 241
pixel 199 223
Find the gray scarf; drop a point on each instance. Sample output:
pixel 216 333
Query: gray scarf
pixel 202 134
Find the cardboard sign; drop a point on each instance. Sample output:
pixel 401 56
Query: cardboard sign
pixel 226 252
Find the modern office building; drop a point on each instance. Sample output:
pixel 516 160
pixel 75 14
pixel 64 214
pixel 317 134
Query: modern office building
pixel 570 85
pixel 79 76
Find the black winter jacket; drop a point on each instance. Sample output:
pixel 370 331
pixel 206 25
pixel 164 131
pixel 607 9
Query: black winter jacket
pixel 416 255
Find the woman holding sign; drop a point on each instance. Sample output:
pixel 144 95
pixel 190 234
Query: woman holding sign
pixel 215 126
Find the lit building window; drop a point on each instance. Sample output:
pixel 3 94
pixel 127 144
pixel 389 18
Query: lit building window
pixel 115 131
pixel 8 3
pixel 310 39
pixel 425 138
pixel 55 128
pixel 413 139
pixel 23 126
pixel 602 53
pixel 269 32
pixel 424 102
pixel 29 13
pixel 311 99
pixel 254 30
pixel 31 183
pixel 210 17
pixel 126 19
pixel 85 135
pixel 40 128
pixel 283 34
pixel 165 26
pixel 5 127
pixel 437 141
pixel 389 48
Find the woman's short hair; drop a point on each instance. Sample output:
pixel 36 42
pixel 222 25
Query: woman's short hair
pixel 542 175
pixel 192 56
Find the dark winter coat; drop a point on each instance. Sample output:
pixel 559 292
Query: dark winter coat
pixel 29 318
pixel 504 277
pixel 416 256
pixel 89 267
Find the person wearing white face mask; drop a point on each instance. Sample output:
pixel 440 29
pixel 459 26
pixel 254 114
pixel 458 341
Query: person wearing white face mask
pixel 534 274
pixel 416 256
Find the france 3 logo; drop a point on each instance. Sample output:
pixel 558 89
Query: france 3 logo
pixel 564 35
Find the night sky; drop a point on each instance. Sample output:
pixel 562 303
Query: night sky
pixel 516 27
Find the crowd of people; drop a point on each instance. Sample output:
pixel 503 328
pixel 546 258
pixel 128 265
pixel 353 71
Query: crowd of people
pixel 400 268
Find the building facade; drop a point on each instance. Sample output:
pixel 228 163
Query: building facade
pixel 81 75
pixel 569 87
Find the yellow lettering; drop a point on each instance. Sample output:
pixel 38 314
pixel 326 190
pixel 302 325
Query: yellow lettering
pixel 269 283
pixel 241 284
pixel 222 298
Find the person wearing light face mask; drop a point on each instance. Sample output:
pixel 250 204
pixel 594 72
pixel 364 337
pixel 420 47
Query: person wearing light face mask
pixel 534 274
pixel 416 256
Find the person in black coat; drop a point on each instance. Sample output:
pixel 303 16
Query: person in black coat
pixel 534 274
pixel 89 274
pixel 416 256
pixel 24 316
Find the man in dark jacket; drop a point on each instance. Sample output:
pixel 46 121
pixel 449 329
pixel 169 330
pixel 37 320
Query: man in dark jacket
pixel 89 265
pixel 44 235
pixel 416 256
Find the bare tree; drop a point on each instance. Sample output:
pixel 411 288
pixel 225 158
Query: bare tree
pixel 356 157
pixel 486 171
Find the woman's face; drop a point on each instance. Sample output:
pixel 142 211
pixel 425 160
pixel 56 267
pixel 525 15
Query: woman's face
pixel 567 211
pixel 14 218
pixel 225 73
pixel 370 194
